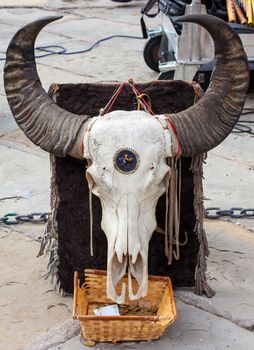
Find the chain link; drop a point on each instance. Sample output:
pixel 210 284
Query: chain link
pixel 14 218
pixel 235 212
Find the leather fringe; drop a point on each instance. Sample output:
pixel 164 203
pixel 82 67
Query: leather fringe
pixel 49 243
pixel 201 284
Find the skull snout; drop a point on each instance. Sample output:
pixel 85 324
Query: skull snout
pixel 129 254
pixel 128 240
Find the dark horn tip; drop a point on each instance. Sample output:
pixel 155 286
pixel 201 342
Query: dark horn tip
pixel 48 19
pixel 53 18
pixel 56 17
pixel 199 17
pixel 39 24
pixel 34 28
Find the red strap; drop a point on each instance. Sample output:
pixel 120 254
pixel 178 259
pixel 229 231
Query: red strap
pixel 136 92
pixel 142 100
pixel 114 97
pixel 175 132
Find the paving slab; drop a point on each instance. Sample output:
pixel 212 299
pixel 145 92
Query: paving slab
pixel 229 274
pixel 25 179
pixel 193 330
pixel 229 173
pixel 219 323
pixel 23 3
pixel 28 304
pixel 10 28
pixel 80 28
pixel 96 66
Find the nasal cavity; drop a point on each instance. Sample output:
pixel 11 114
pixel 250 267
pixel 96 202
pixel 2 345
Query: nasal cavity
pixel 128 241
pixel 134 246
pixel 121 245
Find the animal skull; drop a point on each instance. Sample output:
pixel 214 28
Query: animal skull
pixel 128 172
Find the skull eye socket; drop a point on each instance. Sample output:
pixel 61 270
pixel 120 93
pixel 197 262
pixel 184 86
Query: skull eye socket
pixel 99 180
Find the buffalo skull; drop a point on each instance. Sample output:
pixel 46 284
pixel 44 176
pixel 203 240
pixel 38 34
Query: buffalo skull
pixel 128 169
pixel 129 182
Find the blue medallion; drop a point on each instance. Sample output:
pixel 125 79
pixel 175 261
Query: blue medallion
pixel 126 160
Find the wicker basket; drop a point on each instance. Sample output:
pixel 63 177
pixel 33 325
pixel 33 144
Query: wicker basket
pixel 92 294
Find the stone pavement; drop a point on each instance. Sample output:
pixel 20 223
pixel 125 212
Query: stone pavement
pixel 225 321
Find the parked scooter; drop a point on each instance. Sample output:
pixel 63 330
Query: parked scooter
pixel 179 53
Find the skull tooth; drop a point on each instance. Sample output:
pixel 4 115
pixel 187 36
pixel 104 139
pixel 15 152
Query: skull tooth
pixel 140 293
pixel 114 275
pixel 111 293
pixel 120 256
pixel 132 296
pixel 134 256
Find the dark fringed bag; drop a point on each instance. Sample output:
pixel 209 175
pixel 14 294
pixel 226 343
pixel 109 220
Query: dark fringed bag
pixel 180 233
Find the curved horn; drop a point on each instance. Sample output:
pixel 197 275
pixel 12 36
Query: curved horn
pixel 44 123
pixel 205 124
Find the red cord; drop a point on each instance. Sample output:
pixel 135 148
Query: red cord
pixel 142 100
pixel 114 97
pixel 175 132
pixel 117 93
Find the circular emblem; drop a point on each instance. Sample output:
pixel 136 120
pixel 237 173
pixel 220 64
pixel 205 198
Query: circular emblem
pixel 126 160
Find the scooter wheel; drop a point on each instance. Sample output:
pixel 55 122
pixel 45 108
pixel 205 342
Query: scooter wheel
pixel 151 52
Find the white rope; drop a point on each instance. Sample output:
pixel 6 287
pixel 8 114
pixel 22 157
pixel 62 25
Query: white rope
pixel 91 220
pixel 172 213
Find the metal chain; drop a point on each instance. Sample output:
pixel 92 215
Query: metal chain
pixel 209 213
pixel 236 213
pixel 14 218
